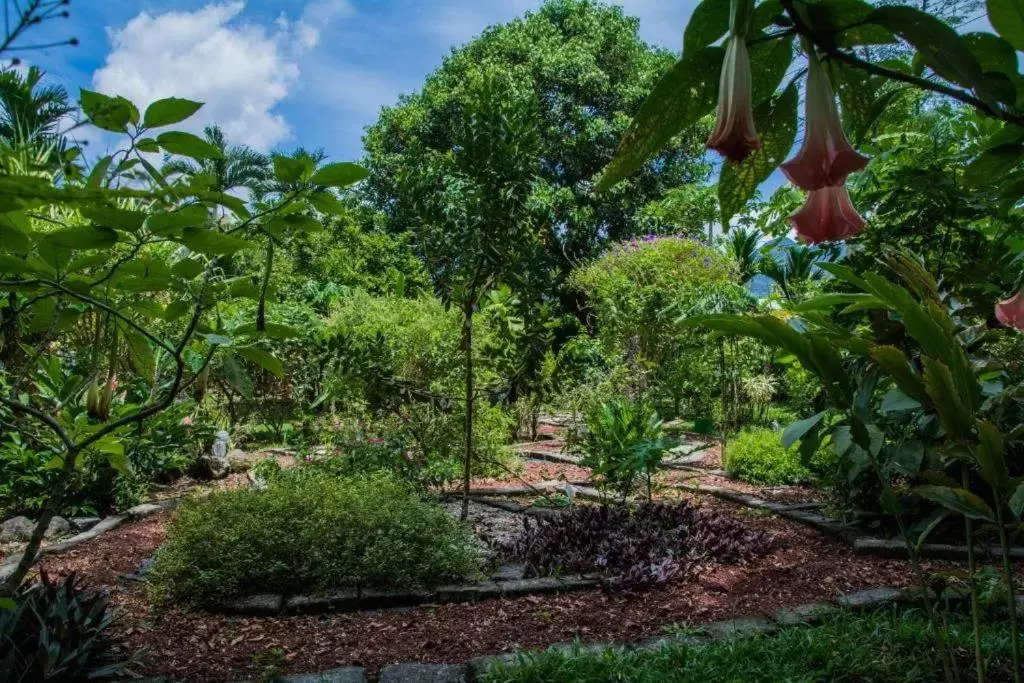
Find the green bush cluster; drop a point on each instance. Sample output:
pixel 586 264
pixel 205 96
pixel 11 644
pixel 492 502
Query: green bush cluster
pixel 308 532
pixel 757 456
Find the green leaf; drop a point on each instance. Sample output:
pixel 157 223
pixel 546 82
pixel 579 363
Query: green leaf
pixel 12 265
pixel 262 358
pixel 1017 501
pixel 1007 18
pixel 955 416
pixel 993 164
pixel 708 23
pixel 170 110
pixel 685 94
pixel 290 169
pixel 895 364
pixel 111 217
pixel 111 447
pixel 339 175
pixel 147 145
pixel 7 604
pixel 186 144
pixel 939 46
pixel 797 430
pixel 993 53
pixel 140 355
pixel 171 222
pixel 273 331
pixel 83 237
pixel 828 301
pixel 991 457
pixel 775 120
pixel 958 500
pixel 109 113
pixel 846 19
pixel 211 242
pixel 236 376
pixel 895 401
pixel 768 64
pixel 99 172
pixel 187 269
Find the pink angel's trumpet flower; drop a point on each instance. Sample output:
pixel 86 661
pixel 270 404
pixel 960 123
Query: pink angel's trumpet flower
pixel 827 216
pixel 734 136
pixel 1011 311
pixel 826 156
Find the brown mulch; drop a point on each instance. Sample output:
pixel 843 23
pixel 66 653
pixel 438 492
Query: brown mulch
pixel 805 566
pixel 534 472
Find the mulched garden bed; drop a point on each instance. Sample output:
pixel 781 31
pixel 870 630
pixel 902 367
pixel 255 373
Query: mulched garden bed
pixel 805 566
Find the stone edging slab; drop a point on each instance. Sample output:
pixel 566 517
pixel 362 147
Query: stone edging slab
pixel 370 599
pixel 138 512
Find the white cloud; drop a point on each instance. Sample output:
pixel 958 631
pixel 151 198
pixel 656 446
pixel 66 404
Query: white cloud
pixel 238 69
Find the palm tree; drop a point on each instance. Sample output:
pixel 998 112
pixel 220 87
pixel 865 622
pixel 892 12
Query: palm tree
pixel 239 166
pixel 744 246
pixel 797 269
pixel 30 118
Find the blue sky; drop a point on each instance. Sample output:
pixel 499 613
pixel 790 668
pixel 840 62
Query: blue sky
pixel 282 73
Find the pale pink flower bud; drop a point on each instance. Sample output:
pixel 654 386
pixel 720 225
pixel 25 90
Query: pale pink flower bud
pixel 827 216
pixel 734 136
pixel 826 156
pixel 1011 311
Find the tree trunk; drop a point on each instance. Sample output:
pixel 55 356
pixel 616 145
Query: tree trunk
pixel 467 465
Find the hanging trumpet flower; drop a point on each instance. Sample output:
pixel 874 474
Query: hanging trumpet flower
pixel 1010 312
pixel 734 136
pixel 821 166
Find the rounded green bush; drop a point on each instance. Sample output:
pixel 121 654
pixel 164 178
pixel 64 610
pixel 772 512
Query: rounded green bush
pixel 758 457
pixel 309 533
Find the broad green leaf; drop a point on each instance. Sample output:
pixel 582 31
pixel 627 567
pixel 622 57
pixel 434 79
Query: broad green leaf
pixel 939 46
pixel 339 175
pixel 828 301
pixel 111 447
pixel 99 173
pixel 708 23
pixel 140 355
pixel 12 265
pixel 326 203
pixel 186 144
pixel 845 18
pixel 955 416
pixel 775 120
pixel 797 430
pixel 685 94
pixel 958 500
pixel 109 113
pixel 187 269
pixel 991 457
pixel 232 204
pixel 147 145
pixel 83 237
pixel 119 219
pixel 992 52
pixel 170 222
pixel 13 229
pixel 273 331
pixel 237 378
pixel 895 401
pixel 290 169
pixel 211 242
pixel 993 164
pixel 170 110
pixel 1007 18
pixel 895 364
pixel 8 605
pixel 262 358
pixel 1017 501
pixel 768 65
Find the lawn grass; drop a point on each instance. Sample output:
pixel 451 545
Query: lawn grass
pixel 889 645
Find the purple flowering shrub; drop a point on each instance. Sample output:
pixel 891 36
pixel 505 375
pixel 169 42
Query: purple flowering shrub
pixel 634 547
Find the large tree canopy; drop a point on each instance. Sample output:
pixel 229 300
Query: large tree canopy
pixel 590 71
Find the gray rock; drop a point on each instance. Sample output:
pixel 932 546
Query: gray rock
pixel 316 604
pixel 509 572
pixel 144 510
pixel 870 598
pixel 425 673
pixel 219 449
pixel 478 667
pixel 84 523
pixel 254 605
pixel 16 529
pixel 58 527
pixel 348 674
pixel 811 613
pixel 739 628
pixel 215 468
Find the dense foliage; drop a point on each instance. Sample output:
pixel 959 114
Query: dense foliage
pixel 634 547
pixel 758 456
pixel 309 532
pixel 55 633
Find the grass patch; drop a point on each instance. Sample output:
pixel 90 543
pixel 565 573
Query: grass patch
pixel 889 645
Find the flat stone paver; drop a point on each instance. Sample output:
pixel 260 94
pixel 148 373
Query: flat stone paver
pixel 811 613
pixel 740 628
pixel 870 598
pixel 348 674
pixel 425 673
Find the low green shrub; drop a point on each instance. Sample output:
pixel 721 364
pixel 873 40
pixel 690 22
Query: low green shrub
pixel 309 532
pixel 757 456
pixel 889 646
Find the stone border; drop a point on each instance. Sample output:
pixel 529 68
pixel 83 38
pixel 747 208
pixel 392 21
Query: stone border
pixel 371 599
pixel 136 513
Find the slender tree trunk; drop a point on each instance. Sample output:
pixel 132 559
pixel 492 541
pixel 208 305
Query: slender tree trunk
pixel 467 465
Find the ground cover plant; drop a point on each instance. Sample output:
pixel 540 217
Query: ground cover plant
pixel 308 532
pixel 758 456
pixel 886 647
pixel 634 547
